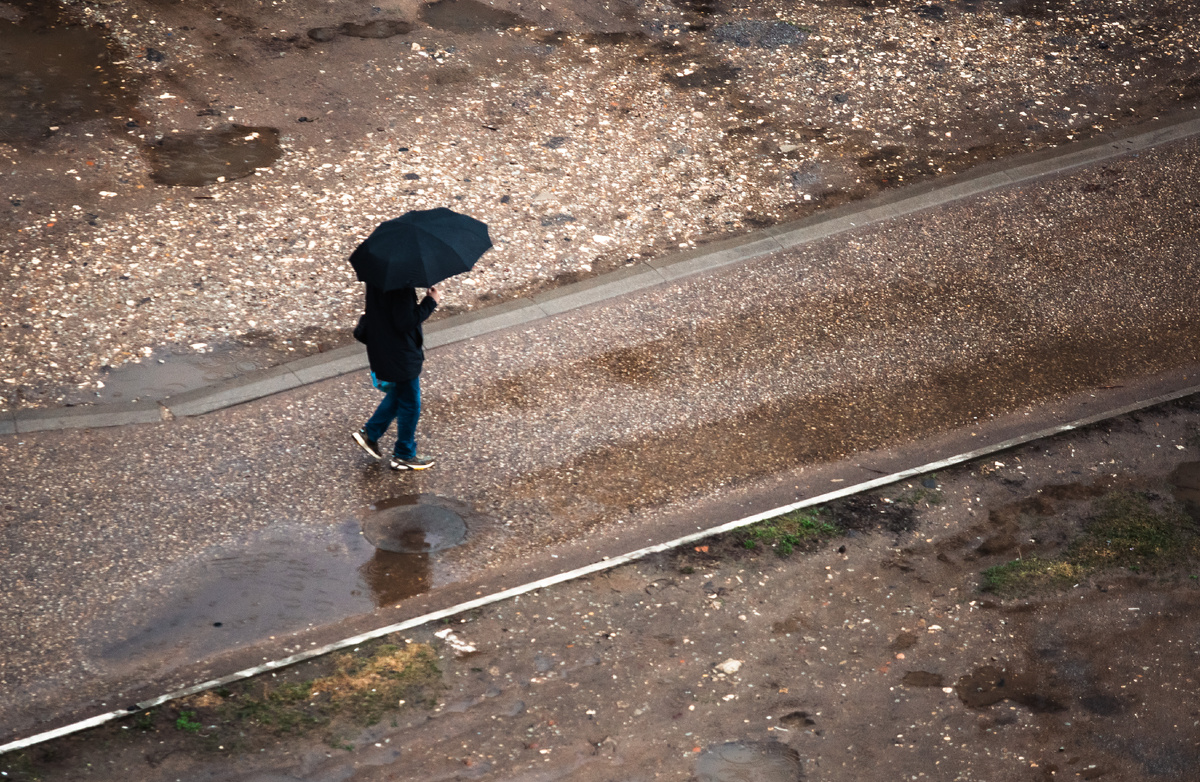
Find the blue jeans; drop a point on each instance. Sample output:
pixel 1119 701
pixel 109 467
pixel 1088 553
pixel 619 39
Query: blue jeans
pixel 401 403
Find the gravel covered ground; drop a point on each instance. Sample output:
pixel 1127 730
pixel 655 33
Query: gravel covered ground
pixel 586 135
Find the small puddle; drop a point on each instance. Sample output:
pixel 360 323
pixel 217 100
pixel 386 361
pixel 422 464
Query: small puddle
pixel 467 16
pixel 285 579
pixel 208 157
pixel 53 73
pixel 406 526
pixel 987 685
pixel 698 7
pixel 380 28
pixel 1185 485
pixel 707 77
pixel 752 33
pixel 922 679
pixel 749 761
pixel 174 370
pixel 617 38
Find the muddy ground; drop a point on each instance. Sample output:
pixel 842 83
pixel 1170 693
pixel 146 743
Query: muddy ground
pixel 874 650
pixel 190 176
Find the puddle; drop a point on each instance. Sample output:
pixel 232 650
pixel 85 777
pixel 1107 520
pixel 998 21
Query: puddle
pixel 181 369
pixel 988 685
pixel 208 157
pixel 1185 486
pixel 54 74
pixel 797 720
pixel 710 76
pixel 758 34
pixel 380 28
pixel 738 761
pixel 467 16
pixel 922 679
pixel 698 7
pixel 618 38
pixel 281 580
pixel 641 365
pixel 407 525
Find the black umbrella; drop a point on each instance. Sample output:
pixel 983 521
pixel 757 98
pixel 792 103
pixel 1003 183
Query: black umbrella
pixel 420 249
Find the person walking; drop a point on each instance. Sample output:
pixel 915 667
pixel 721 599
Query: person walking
pixel 418 249
pixel 395 350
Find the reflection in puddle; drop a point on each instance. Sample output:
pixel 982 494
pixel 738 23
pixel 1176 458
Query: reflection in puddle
pixel 392 577
pixel 282 580
pixel 54 74
pixel 749 761
pixel 406 525
pixel 467 16
pixel 208 157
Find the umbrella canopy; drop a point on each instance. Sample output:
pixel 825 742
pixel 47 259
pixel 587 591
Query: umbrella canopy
pixel 420 249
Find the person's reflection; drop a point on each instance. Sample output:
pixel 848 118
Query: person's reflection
pixel 392 577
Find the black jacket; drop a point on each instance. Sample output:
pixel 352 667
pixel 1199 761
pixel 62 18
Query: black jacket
pixel 395 343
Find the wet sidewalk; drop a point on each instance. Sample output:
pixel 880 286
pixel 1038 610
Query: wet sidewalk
pixel 233 536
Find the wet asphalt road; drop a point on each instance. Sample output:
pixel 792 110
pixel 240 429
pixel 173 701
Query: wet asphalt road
pixel 598 418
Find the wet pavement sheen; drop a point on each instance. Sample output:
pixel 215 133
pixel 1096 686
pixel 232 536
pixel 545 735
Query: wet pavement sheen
pixel 600 418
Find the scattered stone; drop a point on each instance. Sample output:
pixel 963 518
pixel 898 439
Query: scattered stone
pixel 729 667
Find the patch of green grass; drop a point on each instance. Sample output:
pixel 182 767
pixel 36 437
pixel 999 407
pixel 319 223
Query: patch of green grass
pixel 19 766
pixel 187 722
pixel 920 494
pixel 1129 532
pixel 338 742
pixel 799 529
pixel 360 687
pixel 1126 531
pixel 1030 574
pixel 282 709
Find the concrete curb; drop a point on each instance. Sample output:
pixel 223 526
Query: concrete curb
pixel 604 564
pixel 630 279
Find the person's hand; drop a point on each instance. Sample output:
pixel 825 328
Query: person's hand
pixel 436 295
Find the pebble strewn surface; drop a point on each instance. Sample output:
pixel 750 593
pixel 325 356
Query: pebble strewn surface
pixel 586 137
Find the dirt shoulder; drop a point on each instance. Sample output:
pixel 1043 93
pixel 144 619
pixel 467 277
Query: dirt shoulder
pixel 889 648
pixel 587 136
